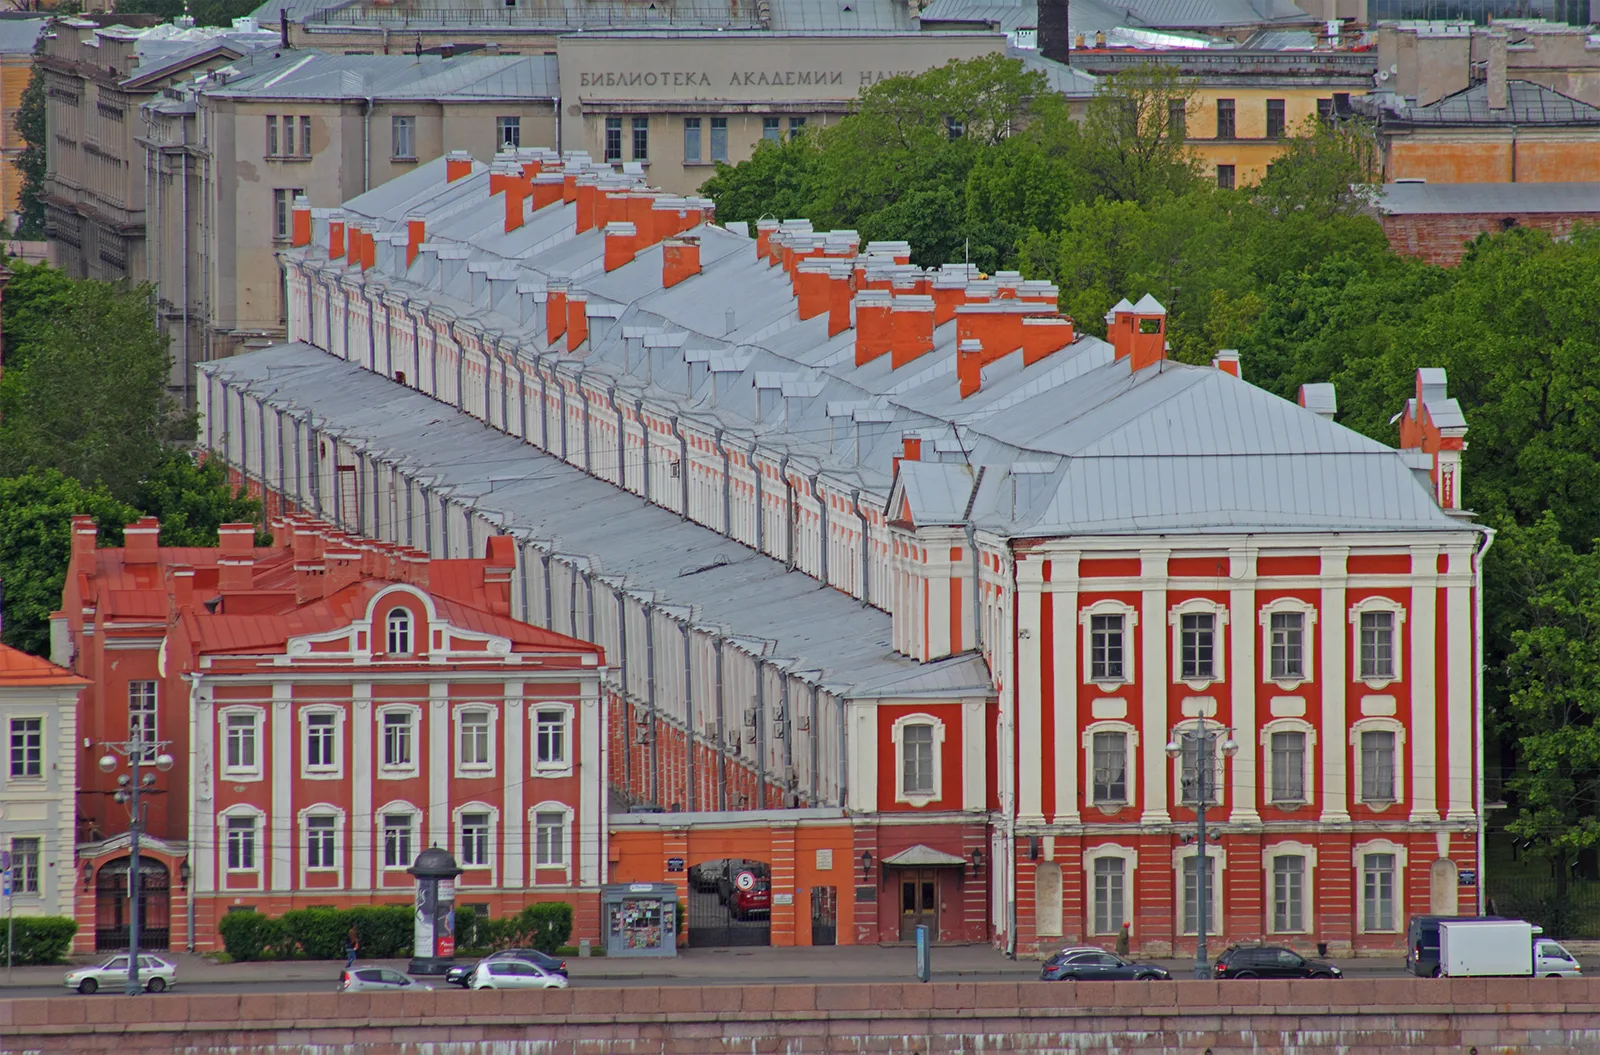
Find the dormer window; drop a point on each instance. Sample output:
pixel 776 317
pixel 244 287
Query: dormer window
pixel 399 627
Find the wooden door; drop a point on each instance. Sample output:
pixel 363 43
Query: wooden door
pixel 919 903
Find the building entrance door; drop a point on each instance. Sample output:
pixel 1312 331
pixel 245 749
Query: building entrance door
pixel 919 902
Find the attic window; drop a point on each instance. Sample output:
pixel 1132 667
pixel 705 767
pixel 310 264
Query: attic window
pixel 399 631
pixel 1149 325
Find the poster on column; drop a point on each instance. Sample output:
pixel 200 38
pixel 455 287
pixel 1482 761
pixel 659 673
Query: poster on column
pixel 422 936
pixel 446 915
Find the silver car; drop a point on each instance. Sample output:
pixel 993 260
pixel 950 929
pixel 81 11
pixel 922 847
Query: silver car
pixel 155 974
pixel 514 974
pixel 370 978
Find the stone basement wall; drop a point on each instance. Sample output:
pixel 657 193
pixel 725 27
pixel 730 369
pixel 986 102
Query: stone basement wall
pixel 1441 238
pixel 1348 1017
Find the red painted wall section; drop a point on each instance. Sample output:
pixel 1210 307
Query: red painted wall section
pixel 1286 697
pixel 949 753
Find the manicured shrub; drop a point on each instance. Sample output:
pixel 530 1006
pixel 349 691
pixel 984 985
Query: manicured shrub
pixel 39 939
pixel 384 931
pixel 250 936
pixel 545 925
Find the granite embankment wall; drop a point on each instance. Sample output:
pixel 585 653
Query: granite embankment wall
pixel 1351 1017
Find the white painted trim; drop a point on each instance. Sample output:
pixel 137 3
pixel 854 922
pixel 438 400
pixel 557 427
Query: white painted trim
pixel 1463 731
pixel 563 768
pixel 395 807
pixel 458 842
pixel 975 759
pixel 303 845
pixel 1153 684
pixel 336 771
pixel 1218 853
pixel 262 855
pixel 1131 754
pixel 488 768
pixel 1308 886
pixel 1130 655
pixel 1378 603
pixel 282 818
pixel 1358 854
pixel 1308 769
pixel 511 857
pixel 897 736
pixel 258 721
pixel 1393 725
pixel 362 759
pixel 1242 708
pixel 413 712
pixel 1335 792
pixel 1130 865
pixel 568 850
pixel 1219 641
pixel 1029 696
pixel 1308 638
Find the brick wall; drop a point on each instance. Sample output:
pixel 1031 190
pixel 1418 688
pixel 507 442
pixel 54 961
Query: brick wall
pixel 1351 1017
pixel 1441 238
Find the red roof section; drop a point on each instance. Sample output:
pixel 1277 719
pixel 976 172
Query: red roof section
pixel 20 669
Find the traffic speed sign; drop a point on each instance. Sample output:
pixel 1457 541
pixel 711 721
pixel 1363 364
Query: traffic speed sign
pixel 745 881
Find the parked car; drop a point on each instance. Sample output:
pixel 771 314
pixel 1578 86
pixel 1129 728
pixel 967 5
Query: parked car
pixel 1271 961
pixel 514 974
pixel 1552 960
pixel 1422 943
pixel 155 974
pixel 1088 964
pixel 752 904
pixel 461 973
pixel 363 978
pixel 1500 948
pixel 707 876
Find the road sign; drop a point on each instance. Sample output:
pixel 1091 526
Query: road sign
pixel 5 883
pixel 745 881
pixel 675 864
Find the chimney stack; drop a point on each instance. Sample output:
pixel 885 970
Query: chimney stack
pixel 416 233
pixel 1145 333
pixel 300 222
pixel 336 236
pixel 1498 89
pixel 457 163
pixel 619 244
pixel 911 329
pixel 969 366
pixel 839 292
pixel 874 327
pixel 577 319
pixel 308 568
pixel 1051 19
pixel 811 287
pixel 182 587
pixel 236 559
pixel 84 536
pixel 1320 399
pixel 680 259
pixel 546 189
pixel 764 229
pixel 1227 361
pixel 1044 336
pixel 341 560
pixel 141 541
pixel 500 560
pixel 555 310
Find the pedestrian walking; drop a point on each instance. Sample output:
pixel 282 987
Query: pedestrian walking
pixel 1123 939
pixel 352 945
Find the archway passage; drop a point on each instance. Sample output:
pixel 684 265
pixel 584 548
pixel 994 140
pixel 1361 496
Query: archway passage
pixel 112 910
pixel 730 903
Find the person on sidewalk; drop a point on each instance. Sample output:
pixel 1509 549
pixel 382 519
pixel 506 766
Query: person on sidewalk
pixel 352 945
pixel 1123 939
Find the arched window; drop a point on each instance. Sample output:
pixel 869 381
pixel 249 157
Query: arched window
pixel 399 627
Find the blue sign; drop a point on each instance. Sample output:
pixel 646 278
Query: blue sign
pixel 5 883
pixel 1467 877
pixel 923 954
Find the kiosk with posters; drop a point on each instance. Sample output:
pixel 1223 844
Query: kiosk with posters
pixel 641 919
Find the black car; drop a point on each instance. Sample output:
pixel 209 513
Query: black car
pixel 1271 961
pixel 461 973
pixel 1422 943
pixel 1088 964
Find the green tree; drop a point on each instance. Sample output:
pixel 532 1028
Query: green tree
pixel 34 161
pixel 35 297
pixel 1133 137
pixel 1328 168
pixel 204 12
pixel 36 511
pixel 779 181
pixel 192 499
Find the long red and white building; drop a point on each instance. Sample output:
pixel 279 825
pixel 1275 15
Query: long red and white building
pixel 905 583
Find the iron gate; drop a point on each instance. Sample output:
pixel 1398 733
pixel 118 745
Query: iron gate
pixel 730 904
pixel 824 915
pixel 111 906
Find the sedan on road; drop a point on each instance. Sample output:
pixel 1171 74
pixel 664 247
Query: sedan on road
pixel 155 974
pixel 1271 961
pixel 366 978
pixel 1084 963
pixel 461 974
pixel 514 974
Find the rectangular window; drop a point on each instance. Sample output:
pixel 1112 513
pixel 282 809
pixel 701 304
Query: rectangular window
pixel 473 750
pixel 1288 767
pixel 508 131
pixel 272 135
pixel 1225 128
pixel 550 839
pixel 405 137
pixel 142 716
pixel 1105 648
pixel 241 844
pixel 613 139
pixel 283 210
pixel 916 745
pixel 1110 768
pixel 641 139
pixel 796 126
pixel 1189 774
pixel 1288 894
pixel 1377 892
pixel 288 136
pixel 305 137
pixel 954 128
pixel 1325 110
pixel 1275 119
pixel 1191 894
pixel 691 139
pixel 1225 177
pixel 1177 118
pixel 1377 766
pixel 25 866
pixel 770 130
pixel 550 738
pixel 1197 636
pixel 475 840
pixel 319 842
pixel 397 840
pixel 1110 878
pixel 319 741
pixel 241 741
pixel 719 139
pixel 1288 631
pixel 397 739
pixel 27 747
pixel 1377 645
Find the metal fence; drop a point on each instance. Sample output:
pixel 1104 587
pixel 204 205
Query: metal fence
pixel 1572 913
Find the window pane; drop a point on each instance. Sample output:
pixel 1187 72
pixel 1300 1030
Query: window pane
pixel 1110 767
pixel 27 747
pixel 142 716
pixel 641 139
pixel 474 749
pixel 1377 645
pixel 1105 647
pixel 509 131
pixel 1197 645
pixel 1177 118
pixel 917 746
pixel 319 741
pixel 319 842
pixel 1288 639
pixel 1225 177
pixel 272 135
pixel 1288 893
pixel 719 139
pixel 1191 894
pixel 475 839
pixel 1377 766
pixel 25 865
pixel 305 137
pixel 613 143
pixel 1377 892
pixel 399 631
pixel 1225 122
pixel 397 739
pixel 550 737
pixel 397 840
pixel 550 838
pixel 1275 119
pixel 288 135
pixel 1288 767
pixel 691 139
pixel 1109 907
pixel 770 130
pixel 404 137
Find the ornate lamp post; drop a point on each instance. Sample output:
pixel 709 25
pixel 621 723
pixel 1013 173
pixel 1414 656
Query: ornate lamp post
pixel 1204 742
pixel 139 754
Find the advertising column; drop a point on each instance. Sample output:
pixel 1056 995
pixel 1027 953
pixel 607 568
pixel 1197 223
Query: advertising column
pixel 434 934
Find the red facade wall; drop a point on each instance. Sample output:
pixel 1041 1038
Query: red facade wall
pixel 1442 239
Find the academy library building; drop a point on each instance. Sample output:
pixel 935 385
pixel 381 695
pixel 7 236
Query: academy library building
pixel 679 104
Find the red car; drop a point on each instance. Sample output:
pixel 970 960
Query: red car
pixel 757 902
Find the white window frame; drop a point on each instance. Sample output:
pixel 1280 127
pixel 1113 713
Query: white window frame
pixel 154 724
pixel 380 849
pixel 1308 768
pixel 323 811
pixel 493 853
pixel 1359 853
pixel 258 721
pixel 259 869
pixel 1377 603
pixel 1308 886
pixel 335 771
pixel 399 621
pixel 562 768
pixel 21 875
pixel 897 734
pixel 1308 638
pixel 1130 864
pixel 1375 724
pixel 10 745
pixel 489 767
pixel 1219 640
pixel 1130 622
pixel 1131 748
pixel 411 769
pixel 567 865
pixel 1217 853
pixel 1221 798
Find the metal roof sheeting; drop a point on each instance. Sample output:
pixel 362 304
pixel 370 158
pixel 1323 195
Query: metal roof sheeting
pixel 317 75
pixel 1526 104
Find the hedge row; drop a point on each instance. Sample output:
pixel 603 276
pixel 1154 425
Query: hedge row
pixel 546 926
pixel 39 939
pixel 384 931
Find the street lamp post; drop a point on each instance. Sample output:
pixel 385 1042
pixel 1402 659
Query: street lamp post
pixel 137 752
pixel 1204 740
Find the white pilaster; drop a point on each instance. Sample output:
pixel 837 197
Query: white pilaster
pixel 863 727
pixel 513 818
pixel 592 780
pixel 1458 636
pixel 1029 699
pixel 974 758
pixel 438 734
pixel 1335 624
pixel 281 724
pixel 1152 673
pixel 202 777
pixel 359 730
pixel 1064 643
pixel 1423 735
pixel 1243 671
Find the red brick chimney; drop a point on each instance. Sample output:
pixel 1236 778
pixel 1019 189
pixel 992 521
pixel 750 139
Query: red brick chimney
pixel 577 319
pixel 811 287
pixel 336 236
pixel 555 311
pixel 499 562
pixel 620 246
pixel 764 230
pixel 84 535
pixel 415 562
pixel 874 326
pixel 141 541
pixel 369 248
pixel 839 292
pixel 949 293
pixel 1227 361
pixel 308 567
pixel 517 191
pixel 341 560
pixel 300 221
pixel 911 329
pixel 1147 333
pixel 546 189
pixel 236 559
pixel 182 586
pixel 585 191
pixel 680 259
pixel 457 163
pixel 569 186
pixel 1119 328
pixel 1044 336
pixel 416 232
pixel 969 366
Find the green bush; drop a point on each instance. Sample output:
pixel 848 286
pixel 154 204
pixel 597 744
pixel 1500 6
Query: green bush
pixel 39 939
pixel 386 931
pixel 546 926
pixel 250 936
pixel 315 933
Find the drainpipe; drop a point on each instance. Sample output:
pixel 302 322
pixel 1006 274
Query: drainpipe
pixel 561 389
pixel 761 512
pixel 549 599
pixel 644 432
pixel 415 376
pixel 461 369
pixel 186 359
pixel 313 456
pixel 557 101
pixel 366 146
pixel 572 602
pixel 522 396
pixel 688 713
pixel 866 552
pixel 433 353
pixel 761 740
pixel 816 742
pixel 194 679
pixel 627 699
pixel 788 514
pixel 622 439
pixel 822 527
pixel 1477 704
pixel 788 727
pixel 722 731
pixel 650 700
pixel 583 405
pixel 344 346
pixel 372 336
pixel 327 311
pixel 727 486
pixel 683 467
pixel 544 403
